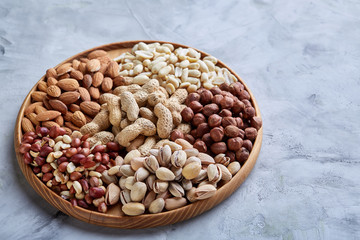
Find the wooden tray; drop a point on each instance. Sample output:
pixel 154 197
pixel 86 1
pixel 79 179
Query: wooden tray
pixel 114 217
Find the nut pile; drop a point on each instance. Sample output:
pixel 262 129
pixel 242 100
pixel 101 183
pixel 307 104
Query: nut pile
pixel 153 129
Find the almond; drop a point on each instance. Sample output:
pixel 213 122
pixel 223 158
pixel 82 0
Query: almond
pixel 42 86
pixel 48 115
pixel 104 62
pixel 72 126
pixel 59 120
pixel 58 105
pixel 46 104
pixel 107 84
pixel 68 116
pixel 87 81
pixel 53 91
pixel 113 69
pixel 84 60
pixel 51 72
pixel 49 124
pixel 96 54
pixel 74 107
pixel 94 93
pixel 75 64
pixel 65 68
pixel 78 119
pixel 76 74
pixel 68 130
pixel 93 65
pixel 51 81
pixel 38 96
pixel 66 75
pixel 84 94
pixel 82 68
pixel 90 108
pixel 69 97
pixel 32 118
pixel 97 79
pixel 68 84
pixel 40 109
pixel 27 125
pixel 31 107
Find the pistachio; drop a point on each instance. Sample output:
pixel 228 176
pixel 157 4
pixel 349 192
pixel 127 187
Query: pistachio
pixel 177 172
pixel 122 182
pixel 183 143
pixel 133 209
pixel 222 159
pixel 157 205
pixel 192 152
pixel 202 175
pixel 137 162
pixel 141 174
pixel 130 181
pixel 206 159
pixel 114 170
pixel 126 170
pixel 207 182
pixel 164 155
pixel 125 196
pixel 119 161
pixel 193 159
pixel 107 178
pixel 164 174
pixel 226 174
pixel 154 152
pixel 164 195
pixel 205 191
pixel 234 167
pixel 174 146
pixel 138 191
pixel 112 194
pixel 178 159
pixel 191 170
pixel 176 190
pixel 214 173
pixel 160 186
pixel 130 155
pixel 150 181
pixel 173 203
pixel 186 184
pixel 151 163
pixel 151 196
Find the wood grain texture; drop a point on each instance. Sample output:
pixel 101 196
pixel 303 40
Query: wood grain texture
pixel 114 217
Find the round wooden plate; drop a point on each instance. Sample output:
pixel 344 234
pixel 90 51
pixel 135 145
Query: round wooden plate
pixel 114 217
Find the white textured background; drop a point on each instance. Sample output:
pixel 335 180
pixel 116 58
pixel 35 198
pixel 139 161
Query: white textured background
pixel 301 59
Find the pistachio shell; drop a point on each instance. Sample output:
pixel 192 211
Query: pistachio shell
pixel 133 209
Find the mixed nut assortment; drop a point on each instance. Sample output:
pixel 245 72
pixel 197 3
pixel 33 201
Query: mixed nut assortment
pixel 153 129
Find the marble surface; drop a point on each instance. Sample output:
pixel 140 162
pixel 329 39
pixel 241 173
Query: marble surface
pixel 301 60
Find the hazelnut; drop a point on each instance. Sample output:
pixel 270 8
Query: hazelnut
pixel 202 129
pixel 224 87
pixel 207 139
pixel 217 134
pixel 246 102
pixel 196 106
pixel 187 114
pixel 200 146
pixel 217 99
pixel 249 112
pixel 234 144
pixel 226 121
pixel 189 138
pixel 198 119
pixel 236 88
pixel 230 155
pixel 210 109
pixel 239 122
pixel 225 113
pixel 244 95
pixel 227 102
pixel 232 131
pixel 175 134
pixel 192 97
pixel 205 97
pixel 219 147
pixel 193 132
pixel 250 133
pixel 246 123
pixel 242 155
pixel 214 120
pixel 247 144
pixel 238 107
pixel 256 122
pixel 215 90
